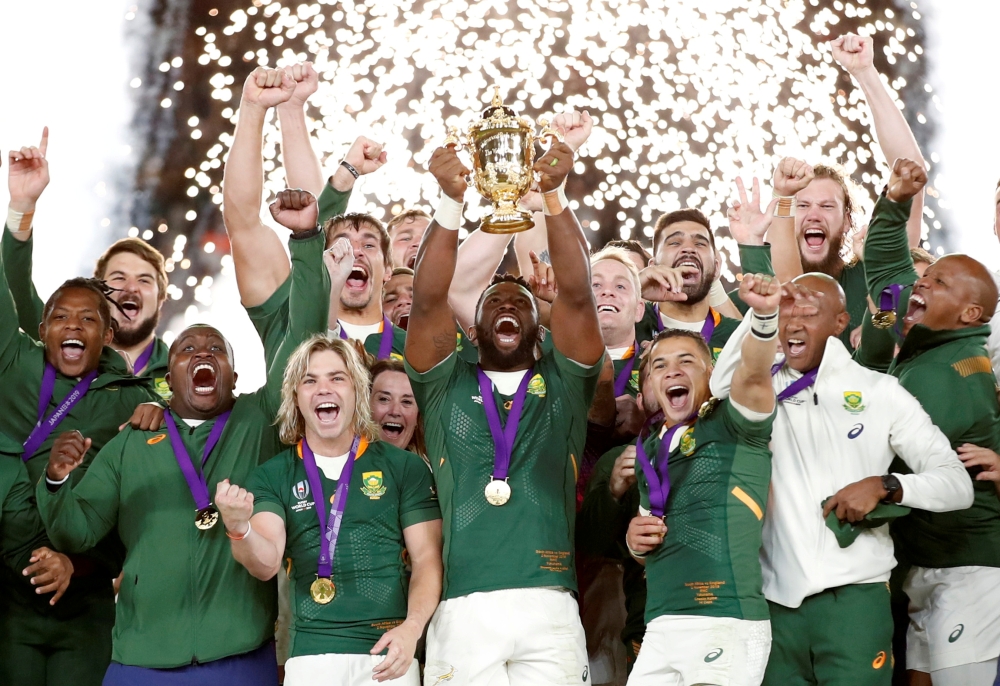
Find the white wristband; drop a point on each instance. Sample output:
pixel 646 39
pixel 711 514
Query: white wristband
pixel 449 213
pixel 61 481
pixel 631 552
pixel 554 202
pixel 717 296
pixel 763 327
pixel 19 223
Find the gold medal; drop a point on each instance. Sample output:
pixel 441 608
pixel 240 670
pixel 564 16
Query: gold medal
pixel 497 492
pixel 206 518
pixel 884 319
pixel 322 590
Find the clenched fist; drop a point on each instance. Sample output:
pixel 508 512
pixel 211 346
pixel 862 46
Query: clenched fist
pixel 267 88
pixel 67 454
pixel 28 174
pixel 339 260
pixel 450 173
pixel 235 505
pixel 366 155
pixel 623 473
pixel 854 53
pixel 575 128
pixel 146 417
pixel 306 83
pixel 791 176
pixel 761 292
pixel 907 179
pixel 295 209
pixel 554 166
pixel 645 534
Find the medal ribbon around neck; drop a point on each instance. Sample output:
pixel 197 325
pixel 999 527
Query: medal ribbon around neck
pixel 503 435
pixel 385 342
pixel 658 478
pixel 143 359
pixel 46 425
pixel 707 329
pixel 800 384
pixel 195 478
pixel 621 381
pixel 330 526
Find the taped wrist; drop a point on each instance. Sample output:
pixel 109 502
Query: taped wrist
pixel 764 327
pixel 449 213
pixel 554 202
pixel 19 223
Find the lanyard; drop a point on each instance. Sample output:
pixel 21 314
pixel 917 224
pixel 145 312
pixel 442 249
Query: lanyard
pixel 195 478
pixel 707 329
pixel 46 426
pixel 385 342
pixel 503 435
pixel 800 384
pixel 330 526
pixel 621 381
pixel 143 359
pixel 658 478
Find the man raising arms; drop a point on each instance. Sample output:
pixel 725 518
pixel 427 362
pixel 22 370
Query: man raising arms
pixel 504 437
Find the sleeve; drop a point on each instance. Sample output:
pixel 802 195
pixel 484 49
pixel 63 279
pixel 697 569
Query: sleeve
pixel 331 203
pixel 418 500
pixel 579 381
pixel 602 521
pixel 21 529
pixel 77 518
pixel 430 388
pixel 11 338
pixel 271 320
pixel 17 256
pixel 729 359
pixel 877 347
pixel 754 259
pixel 267 485
pixel 756 431
pixel 939 388
pixel 939 482
pixel 887 248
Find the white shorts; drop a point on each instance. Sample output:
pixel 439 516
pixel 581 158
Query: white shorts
pixel 954 617
pixel 513 637
pixel 338 669
pixel 682 650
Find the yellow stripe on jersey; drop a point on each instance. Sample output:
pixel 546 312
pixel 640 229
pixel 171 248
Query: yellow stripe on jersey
pixel 973 365
pixel 742 496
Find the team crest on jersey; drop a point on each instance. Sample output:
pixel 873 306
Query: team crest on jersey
pixel 300 491
pixel 162 388
pixel 458 343
pixel 853 402
pixel 372 486
pixel 395 356
pixel 537 386
pixel 687 444
pixel 633 383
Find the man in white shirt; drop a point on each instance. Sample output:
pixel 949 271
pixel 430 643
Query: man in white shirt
pixel 838 427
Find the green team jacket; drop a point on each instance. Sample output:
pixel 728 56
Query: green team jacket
pixel 21 529
pixel 183 597
pixel 17 258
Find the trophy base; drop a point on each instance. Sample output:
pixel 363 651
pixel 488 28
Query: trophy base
pixel 507 222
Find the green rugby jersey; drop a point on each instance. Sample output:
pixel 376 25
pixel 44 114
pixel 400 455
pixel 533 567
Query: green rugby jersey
pixel 391 489
pixel 632 387
pixel 645 330
pixel 529 541
pixel 708 563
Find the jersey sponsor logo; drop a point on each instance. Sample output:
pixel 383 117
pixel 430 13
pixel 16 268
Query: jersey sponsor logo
pixel 714 655
pixel 372 486
pixel 956 633
pixel 879 660
pixel 156 439
pixel 854 402
pixel 687 444
pixel 300 491
pixel 537 386
pixel 855 431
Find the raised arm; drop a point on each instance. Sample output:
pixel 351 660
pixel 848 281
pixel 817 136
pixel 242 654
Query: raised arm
pixel 302 167
pixel 576 333
pixel 856 55
pixel 479 257
pixel 751 386
pixel 887 250
pixel 430 335
pixel 257 540
pixel 790 177
pixel 261 265
pixel 364 156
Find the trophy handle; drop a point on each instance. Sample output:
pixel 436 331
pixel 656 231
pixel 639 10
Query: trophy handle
pixel 547 132
pixel 454 137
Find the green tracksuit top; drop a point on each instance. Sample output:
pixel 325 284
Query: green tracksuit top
pixel 184 598
pixel 21 529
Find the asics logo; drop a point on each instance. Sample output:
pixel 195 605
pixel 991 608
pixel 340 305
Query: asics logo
pixel 714 655
pixel 956 633
pixel 855 431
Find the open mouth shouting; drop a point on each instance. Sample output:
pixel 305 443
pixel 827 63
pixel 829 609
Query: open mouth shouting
pixel 916 310
pixel 204 378
pixel 796 347
pixel 327 413
pixel 507 330
pixel 677 396
pixel 131 305
pixel 403 320
pixel 358 279
pixel 72 349
pixel 392 430
pixel 815 240
pixel 411 261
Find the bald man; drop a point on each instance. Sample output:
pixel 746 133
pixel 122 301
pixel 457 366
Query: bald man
pixel 827 553
pixel 954 629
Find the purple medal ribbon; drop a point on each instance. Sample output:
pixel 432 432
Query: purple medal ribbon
pixel 385 343
pixel 658 478
pixel 503 435
pixel 143 359
pixel 707 329
pixel 800 384
pixel 329 525
pixel 888 300
pixel 195 477
pixel 621 381
pixel 44 427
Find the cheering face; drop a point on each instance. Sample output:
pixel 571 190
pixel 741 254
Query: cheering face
pixel 325 396
pixel 394 408
pixel 397 297
pixel 618 305
pixel 506 329
pixel 803 332
pixel 820 226
pixel 406 239
pixel 679 371
pixel 942 297
pixel 369 271
pixel 201 373
pixel 689 244
pixel 137 293
pixel 73 333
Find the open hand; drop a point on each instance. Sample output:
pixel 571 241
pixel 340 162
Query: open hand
pixel 146 417
pixel 798 301
pixel 402 644
pixel 974 456
pixel 747 223
pixel 50 572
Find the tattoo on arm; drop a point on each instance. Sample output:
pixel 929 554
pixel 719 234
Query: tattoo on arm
pixel 544 257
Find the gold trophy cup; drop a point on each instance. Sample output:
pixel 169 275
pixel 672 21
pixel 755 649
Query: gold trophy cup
pixel 502 146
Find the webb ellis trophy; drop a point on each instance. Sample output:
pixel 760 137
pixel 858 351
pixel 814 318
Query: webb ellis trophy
pixel 502 146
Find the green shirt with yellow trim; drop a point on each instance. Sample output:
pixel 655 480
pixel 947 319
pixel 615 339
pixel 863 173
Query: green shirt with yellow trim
pixel 527 542
pixel 390 490
pixel 646 329
pixel 708 562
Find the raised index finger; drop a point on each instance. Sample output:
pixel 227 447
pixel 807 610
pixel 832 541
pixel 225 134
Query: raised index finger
pixel 44 144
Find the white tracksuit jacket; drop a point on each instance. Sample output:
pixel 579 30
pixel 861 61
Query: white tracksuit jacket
pixel 822 442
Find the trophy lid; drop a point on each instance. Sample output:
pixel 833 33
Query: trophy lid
pixel 497 106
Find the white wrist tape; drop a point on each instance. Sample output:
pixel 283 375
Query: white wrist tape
pixel 785 207
pixel 763 326
pixel 19 222
pixel 449 213
pixel 632 552
pixel 554 202
pixel 717 296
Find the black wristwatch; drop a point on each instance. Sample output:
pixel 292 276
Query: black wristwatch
pixel 892 486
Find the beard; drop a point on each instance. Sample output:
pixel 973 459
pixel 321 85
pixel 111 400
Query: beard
pixel 833 264
pixel 494 358
pixel 697 292
pixel 126 338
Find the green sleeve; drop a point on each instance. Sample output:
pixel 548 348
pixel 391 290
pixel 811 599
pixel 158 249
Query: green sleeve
pixel 938 388
pixel 745 429
pixel 266 482
pixel 877 347
pixel 431 387
pixel 77 518
pixel 579 382
pixel 308 312
pixel 11 338
pixel 602 521
pixel 418 500
pixel 21 529
pixel 754 259
pixel 887 248
pixel 271 320
pixel 332 203
pixel 16 255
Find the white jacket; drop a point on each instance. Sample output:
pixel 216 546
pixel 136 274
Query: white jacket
pixel 846 427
